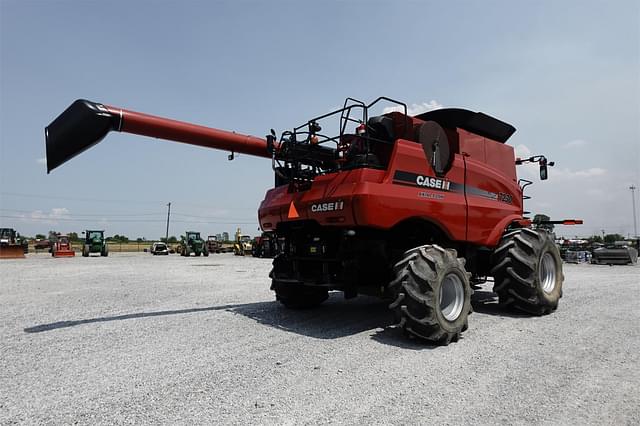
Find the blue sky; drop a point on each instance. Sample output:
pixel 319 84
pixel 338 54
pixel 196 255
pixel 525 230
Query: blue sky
pixel 565 74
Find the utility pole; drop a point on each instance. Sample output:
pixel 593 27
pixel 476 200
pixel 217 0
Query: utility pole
pixel 633 201
pixel 166 237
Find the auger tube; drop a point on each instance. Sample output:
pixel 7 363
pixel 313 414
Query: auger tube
pixel 86 123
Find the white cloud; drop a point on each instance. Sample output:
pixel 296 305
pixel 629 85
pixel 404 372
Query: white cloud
pixel 523 151
pixel 52 217
pixel 576 143
pixel 582 174
pixel 42 160
pixel 415 109
pixel 59 212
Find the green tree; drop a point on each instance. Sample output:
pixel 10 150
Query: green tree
pixel 612 238
pixel 595 239
pixel 40 237
pixel 73 236
pixel 118 239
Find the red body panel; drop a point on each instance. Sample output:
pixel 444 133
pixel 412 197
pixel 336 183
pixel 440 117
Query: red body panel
pixel 482 200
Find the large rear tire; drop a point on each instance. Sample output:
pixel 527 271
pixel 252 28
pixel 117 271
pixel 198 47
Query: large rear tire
pixel 432 294
pixel 298 296
pixel 528 271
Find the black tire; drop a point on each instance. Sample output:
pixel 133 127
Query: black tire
pixel 205 253
pixel 432 295
pixel 105 251
pixel 197 253
pixel 528 271
pixel 85 251
pixel 298 296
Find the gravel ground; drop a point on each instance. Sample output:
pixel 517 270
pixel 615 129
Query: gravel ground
pixel 134 338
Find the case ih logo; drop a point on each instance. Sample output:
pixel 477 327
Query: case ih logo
pixel 413 179
pixel 327 207
pixel 434 183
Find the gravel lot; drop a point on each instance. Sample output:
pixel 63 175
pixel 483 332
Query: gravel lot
pixel 135 338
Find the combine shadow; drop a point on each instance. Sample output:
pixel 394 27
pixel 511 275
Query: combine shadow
pixel 334 319
pixel 72 323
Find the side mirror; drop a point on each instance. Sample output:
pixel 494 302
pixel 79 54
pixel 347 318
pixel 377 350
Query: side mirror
pixel 544 174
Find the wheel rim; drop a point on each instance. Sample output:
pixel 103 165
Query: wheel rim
pixel 451 297
pixel 547 272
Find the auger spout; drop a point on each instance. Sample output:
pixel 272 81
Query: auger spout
pixel 86 123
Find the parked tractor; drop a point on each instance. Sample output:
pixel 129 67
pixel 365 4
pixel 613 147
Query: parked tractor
pixel 412 209
pixel 213 245
pixel 265 245
pixel 94 242
pixel 12 246
pixel 243 244
pixel 192 243
pixel 62 246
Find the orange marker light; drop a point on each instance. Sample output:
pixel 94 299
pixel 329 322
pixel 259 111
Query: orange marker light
pixel 293 213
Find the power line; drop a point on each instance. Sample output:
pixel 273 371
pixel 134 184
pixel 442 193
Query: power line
pixel 107 200
pixel 69 219
pixel 106 215
pixel 87 214
pixel 61 197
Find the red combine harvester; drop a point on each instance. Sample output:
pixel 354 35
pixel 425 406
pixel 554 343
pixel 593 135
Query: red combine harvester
pixel 62 247
pixel 411 209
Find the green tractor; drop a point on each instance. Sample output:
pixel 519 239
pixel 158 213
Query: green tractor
pixel 94 242
pixel 192 243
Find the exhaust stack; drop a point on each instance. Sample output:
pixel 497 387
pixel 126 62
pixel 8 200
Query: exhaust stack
pixel 86 123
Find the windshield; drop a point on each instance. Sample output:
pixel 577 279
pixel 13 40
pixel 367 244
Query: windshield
pixel 95 234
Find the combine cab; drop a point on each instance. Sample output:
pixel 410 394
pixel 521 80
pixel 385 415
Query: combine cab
pixel 192 243
pixel 94 242
pixel 412 209
pixel 62 247
pixel 11 245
